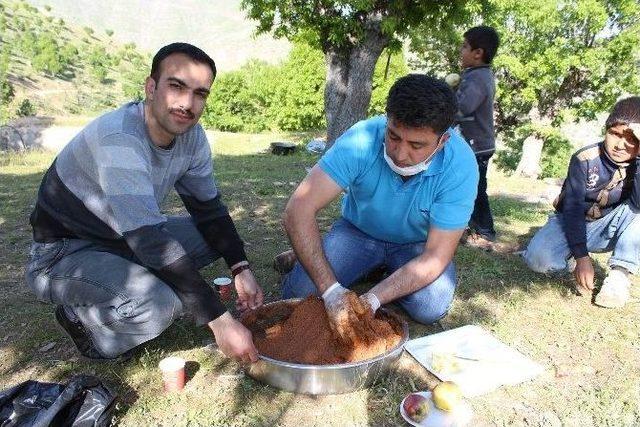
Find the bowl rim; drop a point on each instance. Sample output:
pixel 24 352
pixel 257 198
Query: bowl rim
pixel 398 347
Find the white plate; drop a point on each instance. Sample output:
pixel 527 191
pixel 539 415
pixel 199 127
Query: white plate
pixel 459 417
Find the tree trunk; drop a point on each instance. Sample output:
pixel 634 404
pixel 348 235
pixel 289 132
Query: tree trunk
pixel 529 165
pixel 349 80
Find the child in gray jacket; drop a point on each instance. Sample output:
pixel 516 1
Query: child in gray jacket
pixel 475 95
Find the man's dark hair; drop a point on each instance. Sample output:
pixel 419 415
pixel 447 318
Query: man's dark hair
pixel 485 38
pixel 418 100
pixel 190 50
pixel 624 112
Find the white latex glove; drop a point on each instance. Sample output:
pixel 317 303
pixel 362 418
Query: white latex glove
pixel 371 300
pixel 334 298
pixel 336 306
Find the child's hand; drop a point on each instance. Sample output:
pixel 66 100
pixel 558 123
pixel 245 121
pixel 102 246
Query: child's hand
pixel 584 274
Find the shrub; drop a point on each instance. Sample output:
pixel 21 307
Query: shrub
pixel 235 104
pixel 133 80
pixel 26 108
pixel 297 102
pixel 6 91
pixel 381 85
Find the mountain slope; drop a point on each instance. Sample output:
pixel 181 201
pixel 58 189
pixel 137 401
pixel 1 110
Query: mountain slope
pixel 218 27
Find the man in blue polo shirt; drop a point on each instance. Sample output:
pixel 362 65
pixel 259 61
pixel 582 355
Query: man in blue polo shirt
pixel 410 183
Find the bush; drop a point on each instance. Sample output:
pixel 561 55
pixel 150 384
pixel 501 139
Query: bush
pixel 98 60
pixel 133 80
pixel 397 68
pixel 6 92
pixel 6 88
pixel 237 103
pixel 25 109
pixel 298 99
pixel 556 152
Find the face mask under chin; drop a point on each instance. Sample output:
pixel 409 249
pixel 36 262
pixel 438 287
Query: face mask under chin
pixel 408 170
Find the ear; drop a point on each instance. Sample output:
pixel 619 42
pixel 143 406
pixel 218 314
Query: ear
pixel 149 88
pixel 478 54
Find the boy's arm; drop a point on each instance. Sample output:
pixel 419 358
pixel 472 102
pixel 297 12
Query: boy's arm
pixel 575 225
pixel 634 200
pixel 470 94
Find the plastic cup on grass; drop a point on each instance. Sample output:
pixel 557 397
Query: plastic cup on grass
pixel 173 375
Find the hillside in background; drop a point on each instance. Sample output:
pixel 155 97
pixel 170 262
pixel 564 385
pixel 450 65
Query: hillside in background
pixel 61 58
pixel 219 27
pixel 55 68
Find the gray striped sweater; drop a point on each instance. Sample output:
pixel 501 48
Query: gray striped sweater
pixel 107 186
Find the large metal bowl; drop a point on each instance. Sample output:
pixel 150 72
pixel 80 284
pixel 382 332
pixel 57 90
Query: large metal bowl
pixel 327 379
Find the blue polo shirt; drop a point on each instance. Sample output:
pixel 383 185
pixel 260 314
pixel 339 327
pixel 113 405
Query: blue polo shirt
pixel 381 204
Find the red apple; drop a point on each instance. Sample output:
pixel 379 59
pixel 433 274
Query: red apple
pixel 416 407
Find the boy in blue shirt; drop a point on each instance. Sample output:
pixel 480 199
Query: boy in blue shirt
pixel 409 184
pixel 475 96
pixel 598 210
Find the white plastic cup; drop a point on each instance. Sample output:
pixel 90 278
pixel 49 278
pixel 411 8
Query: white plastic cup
pixel 173 374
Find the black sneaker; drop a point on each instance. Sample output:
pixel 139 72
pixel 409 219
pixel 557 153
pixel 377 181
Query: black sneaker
pixel 82 340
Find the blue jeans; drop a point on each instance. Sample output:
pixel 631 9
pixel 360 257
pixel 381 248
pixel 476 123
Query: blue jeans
pixel 353 254
pixel 120 303
pixel 617 232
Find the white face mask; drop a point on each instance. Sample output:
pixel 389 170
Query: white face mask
pixel 413 169
pixel 409 170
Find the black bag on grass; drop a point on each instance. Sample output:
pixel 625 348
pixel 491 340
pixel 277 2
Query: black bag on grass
pixel 83 402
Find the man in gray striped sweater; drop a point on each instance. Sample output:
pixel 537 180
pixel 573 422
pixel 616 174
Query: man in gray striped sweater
pixel 119 270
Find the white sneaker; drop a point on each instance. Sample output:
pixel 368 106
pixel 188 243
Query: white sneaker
pixel 615 290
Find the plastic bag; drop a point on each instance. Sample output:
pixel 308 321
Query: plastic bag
pixel 83 402
pixel 316 146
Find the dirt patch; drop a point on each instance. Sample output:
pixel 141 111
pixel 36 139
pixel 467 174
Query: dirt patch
pixel 300 333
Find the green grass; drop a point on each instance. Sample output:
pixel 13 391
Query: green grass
pixel 591 355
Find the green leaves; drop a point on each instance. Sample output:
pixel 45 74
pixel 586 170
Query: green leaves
pixel 288 96
pixel 574 56
pixel 343 24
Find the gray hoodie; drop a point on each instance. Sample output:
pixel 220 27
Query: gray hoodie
pixel 475 102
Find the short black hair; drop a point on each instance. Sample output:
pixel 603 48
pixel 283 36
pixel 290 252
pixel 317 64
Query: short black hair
pixel 485 38
pixel 624 112
pixel 418 100
pixel 190 50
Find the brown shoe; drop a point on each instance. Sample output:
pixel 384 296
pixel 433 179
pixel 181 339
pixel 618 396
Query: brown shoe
pixel 284 262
